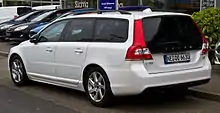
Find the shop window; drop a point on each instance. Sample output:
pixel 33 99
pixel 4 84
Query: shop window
pixel 80 4
pixel 128 2
pixel 186 6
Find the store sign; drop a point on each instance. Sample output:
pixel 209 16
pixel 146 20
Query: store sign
pixel 207 3
pixel 81 4
pixel 107 5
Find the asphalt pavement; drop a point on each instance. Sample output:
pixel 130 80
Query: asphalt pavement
pixel 14 101
pixel 44 98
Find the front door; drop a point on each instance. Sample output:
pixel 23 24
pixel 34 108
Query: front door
pixel 41 55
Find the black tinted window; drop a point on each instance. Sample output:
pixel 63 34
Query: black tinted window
pixel 80 30
pixel 171 34
pixel 111 30
pixel 23 10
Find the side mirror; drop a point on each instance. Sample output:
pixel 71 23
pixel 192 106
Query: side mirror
pixel 34 39
pixel 31 34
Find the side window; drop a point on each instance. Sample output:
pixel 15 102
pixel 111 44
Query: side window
pixel 53 32
pixel 111 30
pixel 80 30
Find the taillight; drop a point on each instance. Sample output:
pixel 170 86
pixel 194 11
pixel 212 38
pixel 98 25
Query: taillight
pixel 205 45
pixel 138 50
pixel 15 16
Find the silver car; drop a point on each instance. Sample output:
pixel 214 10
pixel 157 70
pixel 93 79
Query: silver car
pixel 217 53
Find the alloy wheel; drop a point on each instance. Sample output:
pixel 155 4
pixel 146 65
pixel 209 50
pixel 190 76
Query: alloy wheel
pixel 17 70
pixel 96 86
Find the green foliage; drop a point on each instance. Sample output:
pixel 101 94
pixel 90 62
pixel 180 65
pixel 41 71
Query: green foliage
pixel 209 22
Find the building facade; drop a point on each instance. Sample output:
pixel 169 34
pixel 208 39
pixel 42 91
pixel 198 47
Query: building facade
pixel 29 2
pixel 187 6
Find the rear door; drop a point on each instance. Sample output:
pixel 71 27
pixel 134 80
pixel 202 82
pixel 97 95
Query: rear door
pixel 175 43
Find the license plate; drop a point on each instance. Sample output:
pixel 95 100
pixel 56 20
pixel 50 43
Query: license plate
pixel 177 58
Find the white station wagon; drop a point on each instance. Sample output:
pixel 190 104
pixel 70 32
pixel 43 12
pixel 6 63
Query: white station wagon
pixel 117 53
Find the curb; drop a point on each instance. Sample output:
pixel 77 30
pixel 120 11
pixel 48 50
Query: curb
pixel 2 53
pixel 204 95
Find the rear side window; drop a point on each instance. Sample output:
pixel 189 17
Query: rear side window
pixel 80 30
pixel 111 30
pixel 171 34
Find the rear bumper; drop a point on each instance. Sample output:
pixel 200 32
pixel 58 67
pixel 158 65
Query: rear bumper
pixel 134 79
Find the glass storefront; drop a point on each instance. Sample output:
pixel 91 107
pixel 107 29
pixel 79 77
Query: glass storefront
pixel 30 2
pixel 187 6
pixel 93 3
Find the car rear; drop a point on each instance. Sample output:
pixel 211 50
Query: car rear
pixel 167 49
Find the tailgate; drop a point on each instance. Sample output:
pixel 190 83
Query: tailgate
pixel 175 43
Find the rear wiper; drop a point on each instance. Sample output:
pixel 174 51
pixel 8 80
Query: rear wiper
pixel 165 43
pixel 116 36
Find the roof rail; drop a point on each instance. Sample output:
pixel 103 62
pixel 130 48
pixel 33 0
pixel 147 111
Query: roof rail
pixel 120 11
pixel 83 12
pixel 167 10
pixel 134 8
pixel 100 12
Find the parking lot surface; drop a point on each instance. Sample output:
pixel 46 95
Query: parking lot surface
pixel 5 46
pixel 67 100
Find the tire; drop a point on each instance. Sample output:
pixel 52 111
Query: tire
pixel 101 84
pixel 18 71
pixel 178 91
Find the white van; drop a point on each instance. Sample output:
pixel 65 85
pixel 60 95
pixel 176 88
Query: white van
pixel 46 7
pixel 10 12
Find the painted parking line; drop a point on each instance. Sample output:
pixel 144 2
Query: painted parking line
pixel 5 54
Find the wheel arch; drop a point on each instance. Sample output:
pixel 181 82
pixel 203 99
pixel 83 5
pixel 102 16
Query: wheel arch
pixel 87 67
pixel 13 55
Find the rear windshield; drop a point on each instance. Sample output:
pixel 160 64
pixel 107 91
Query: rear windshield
pixel 42 16
pixel 23 10
pixel 25 16
pixel 171 34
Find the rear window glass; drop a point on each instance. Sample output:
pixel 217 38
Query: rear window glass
pixel 111 30
pixel 171 34
pixel 23 10
pixel 28 16
pixel 42 16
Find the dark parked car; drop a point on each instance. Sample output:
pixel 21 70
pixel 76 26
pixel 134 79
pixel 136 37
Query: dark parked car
pixel 19 20
pixel 217 53
pixel 73 12
pixel 21 32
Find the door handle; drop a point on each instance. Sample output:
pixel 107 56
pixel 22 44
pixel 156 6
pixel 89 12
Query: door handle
pixel 49 50
pixel 78 51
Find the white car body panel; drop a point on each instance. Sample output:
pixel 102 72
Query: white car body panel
pixel 66 66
